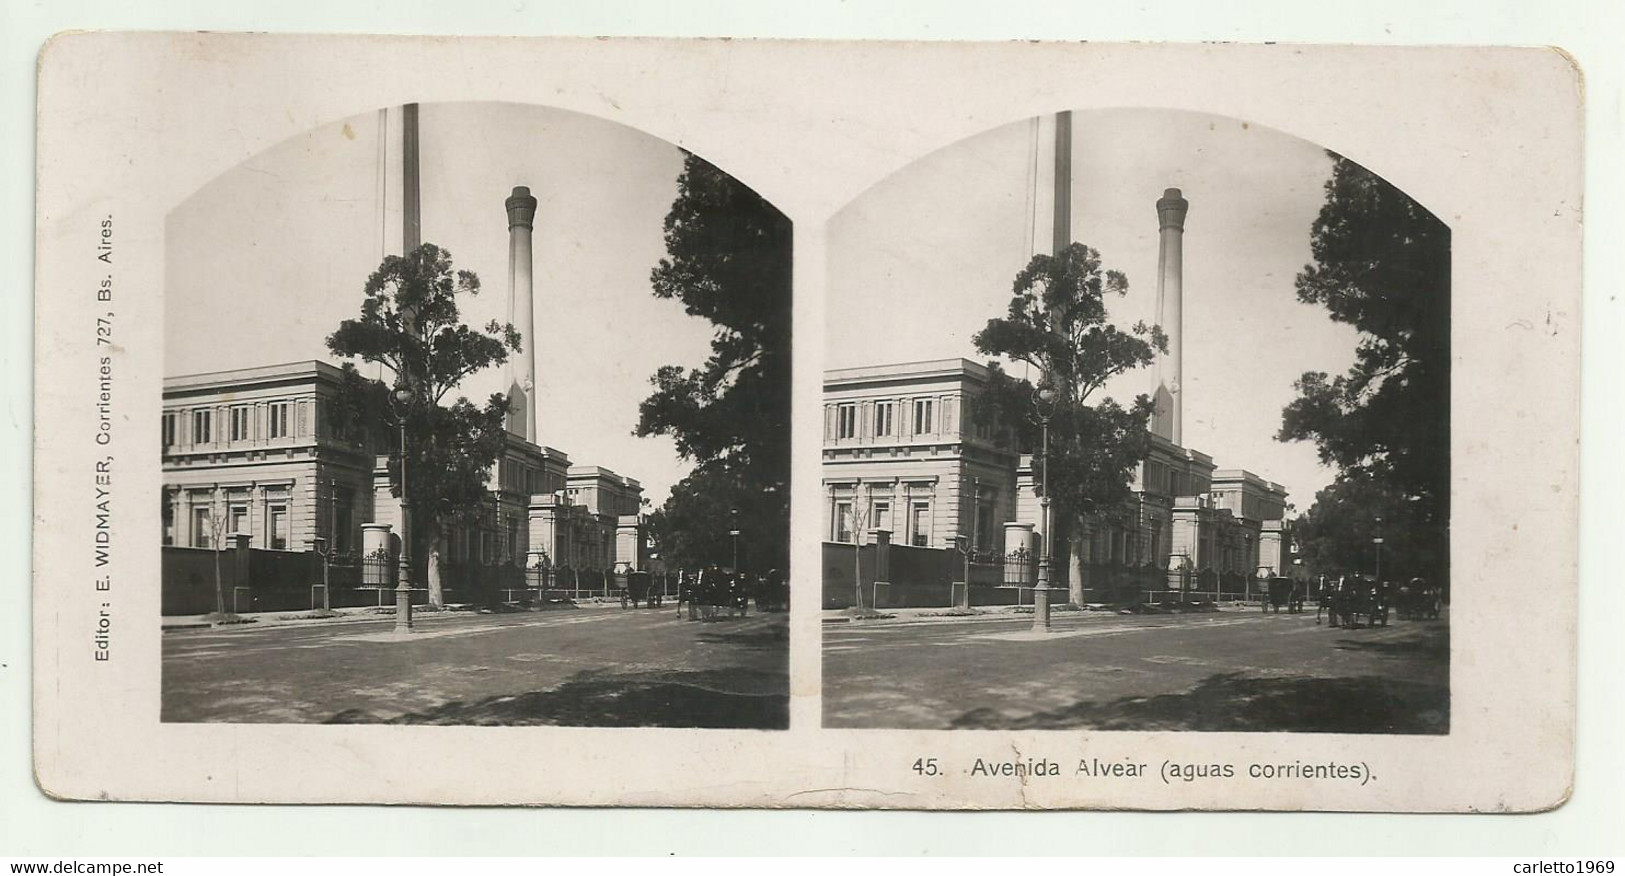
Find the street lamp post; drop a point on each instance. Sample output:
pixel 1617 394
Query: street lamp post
pixel 961 598
pixel 403 586
pixel 1377 542
pixel 1044 405
pixel 733 533
pixel 319 545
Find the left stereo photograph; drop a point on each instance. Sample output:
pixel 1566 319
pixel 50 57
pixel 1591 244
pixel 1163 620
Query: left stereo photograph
pixel 475 414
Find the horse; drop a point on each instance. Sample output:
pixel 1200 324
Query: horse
pixel 1340 603
pixel 1278 596
pixel 1360 597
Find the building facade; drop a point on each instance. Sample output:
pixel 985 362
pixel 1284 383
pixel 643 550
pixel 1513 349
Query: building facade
pixel 259 451
pixel 904 452
pixel 255 451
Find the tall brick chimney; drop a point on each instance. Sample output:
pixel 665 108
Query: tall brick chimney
pixel 1168 420
pixel 521 209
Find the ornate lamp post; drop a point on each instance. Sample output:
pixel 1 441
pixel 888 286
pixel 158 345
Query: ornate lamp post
pixel 1044 406
pixel 733 533
pixel 319 545
pixel 961 597
pixel 1377 543
pixel 403 586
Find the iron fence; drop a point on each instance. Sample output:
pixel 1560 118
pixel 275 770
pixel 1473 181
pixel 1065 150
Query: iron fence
pixel 548 584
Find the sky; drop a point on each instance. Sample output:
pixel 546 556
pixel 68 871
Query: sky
pixel 919 263
pixel 264 261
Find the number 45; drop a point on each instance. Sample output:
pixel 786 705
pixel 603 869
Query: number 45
pixel 926 766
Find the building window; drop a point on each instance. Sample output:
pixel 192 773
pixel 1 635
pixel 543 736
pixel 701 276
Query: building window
pixel 201 423
pixel 920 525
pixel 883 419
pixel 277 426
pixel 276 527
pixel 843 521
pixel 169 428
pixel 923 409
pixel 846 421
pixel 202 534
pixel 882 515
pixel 984 528
pixel 239 423
pixel 167 510
pixel 237 519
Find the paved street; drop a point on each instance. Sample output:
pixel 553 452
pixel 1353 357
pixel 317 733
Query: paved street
pixel 1227 671
pixel 586 667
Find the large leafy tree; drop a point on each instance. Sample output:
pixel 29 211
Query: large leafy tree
pixel 1382 265
pixel 1057 323
pixel 1338 535
pixel 728 256
pixel 410 323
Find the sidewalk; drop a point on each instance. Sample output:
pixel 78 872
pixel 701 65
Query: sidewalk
pixel 944 614
pixel 258 620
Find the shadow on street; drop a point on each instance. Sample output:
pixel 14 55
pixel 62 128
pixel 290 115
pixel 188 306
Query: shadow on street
pixel 1234 702
pixel 705 698
pixel 771 639
pixel 1427 647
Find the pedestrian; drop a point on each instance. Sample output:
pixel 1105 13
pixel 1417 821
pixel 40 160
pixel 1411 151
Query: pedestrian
pixel 747 584
pixel 776 591
pixel 710 585
pixel 693 587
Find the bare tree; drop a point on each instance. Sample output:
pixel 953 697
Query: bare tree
pixel 219 518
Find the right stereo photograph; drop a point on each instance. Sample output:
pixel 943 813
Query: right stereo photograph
pixel 1137 419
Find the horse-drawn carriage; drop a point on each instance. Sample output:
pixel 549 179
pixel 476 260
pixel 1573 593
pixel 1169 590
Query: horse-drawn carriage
pixel 1353 598
pixel 639 587
pixel 1419 600
pixel 1281 592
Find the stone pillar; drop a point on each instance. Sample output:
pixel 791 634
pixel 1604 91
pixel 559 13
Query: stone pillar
pixel 549 516
pixel 1020 536
pixel 239 543
pixel 386 507
pixel 882 540
pixel 959 580
pixel 1028 510
pixel 629 543
pixel 1179 573
pixel 377 540
pixel 1186 526
pixel 872 596
pixel 1270 545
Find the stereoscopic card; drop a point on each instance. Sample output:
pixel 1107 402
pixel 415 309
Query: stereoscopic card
pixel 840 425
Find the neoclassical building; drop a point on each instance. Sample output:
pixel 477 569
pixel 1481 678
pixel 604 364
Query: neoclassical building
pixel 901 453
pixel 259 451
pixel 254 451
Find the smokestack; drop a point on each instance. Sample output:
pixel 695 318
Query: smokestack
pixel 521 209
pixel 412 215
pixel 1062 227
pixel 1169 418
